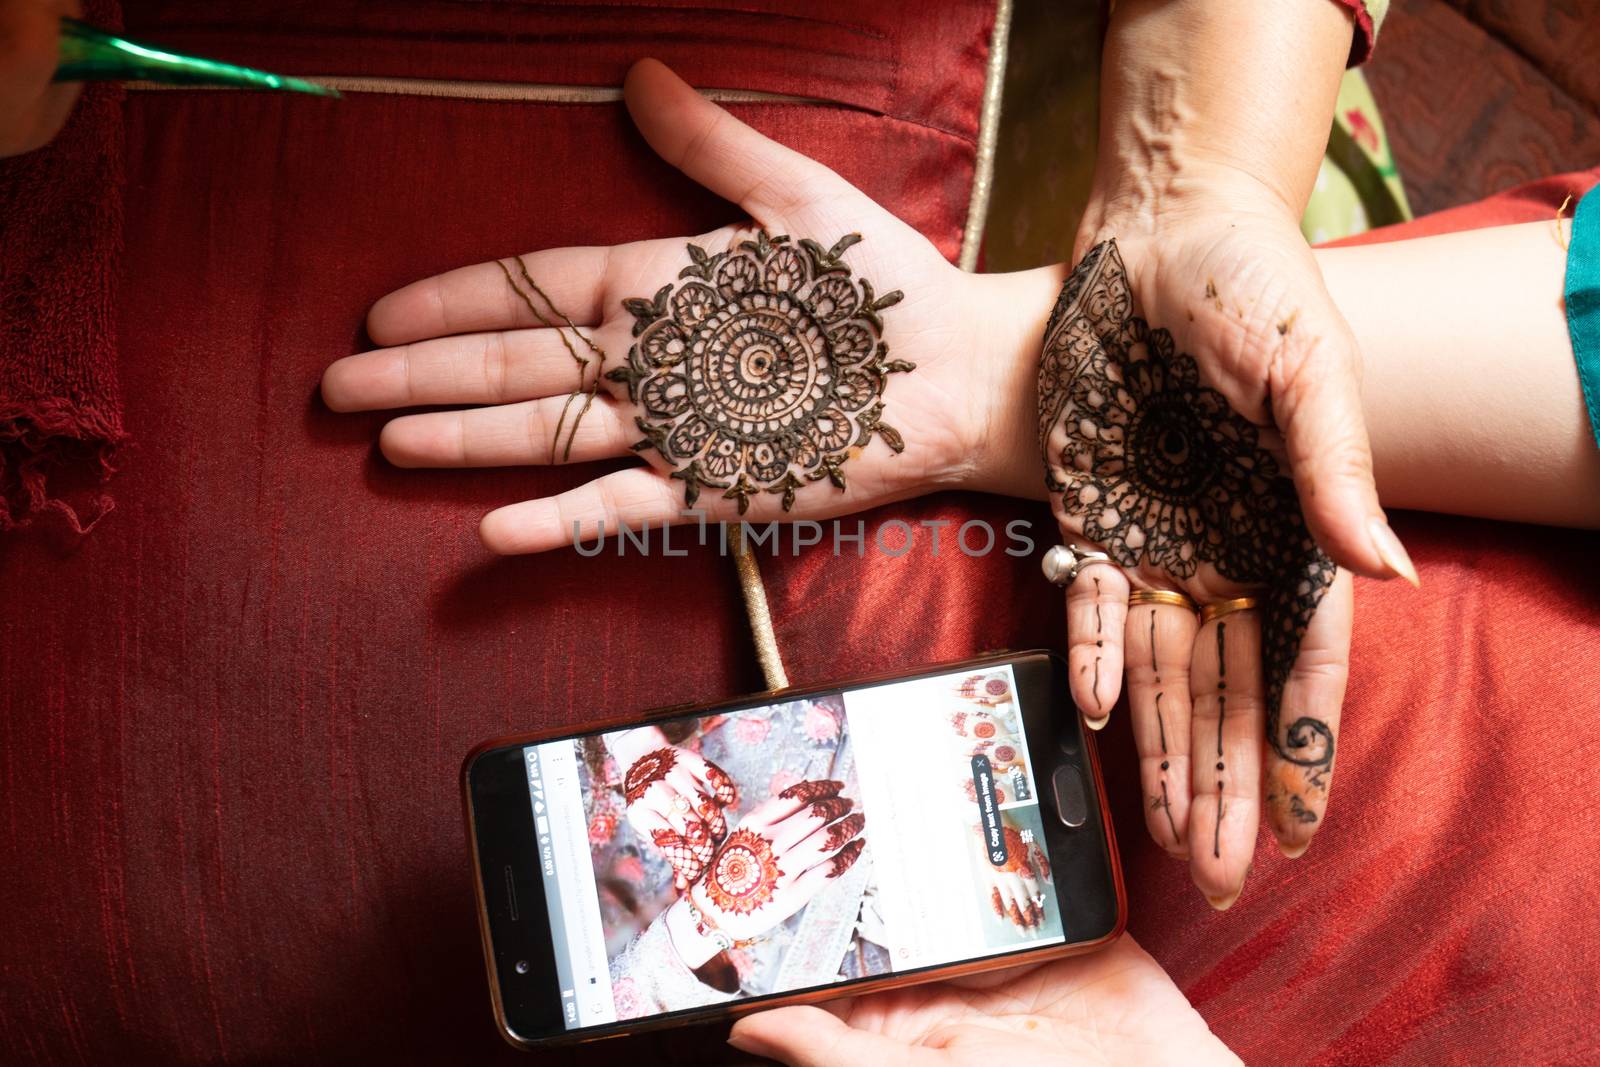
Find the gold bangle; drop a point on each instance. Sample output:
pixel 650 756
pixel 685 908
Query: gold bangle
pixel 1226 607
pixel 1161 596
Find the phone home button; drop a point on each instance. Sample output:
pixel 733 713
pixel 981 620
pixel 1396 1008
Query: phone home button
pixel 1072 802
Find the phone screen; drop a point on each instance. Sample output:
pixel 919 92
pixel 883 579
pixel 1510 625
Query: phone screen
pixel 810 841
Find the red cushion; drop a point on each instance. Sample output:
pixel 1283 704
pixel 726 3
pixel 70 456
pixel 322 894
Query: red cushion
pixel 231 719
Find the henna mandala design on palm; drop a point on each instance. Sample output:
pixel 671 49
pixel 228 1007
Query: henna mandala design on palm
pixel 762 369
pixel 744 874
pixel 1163 473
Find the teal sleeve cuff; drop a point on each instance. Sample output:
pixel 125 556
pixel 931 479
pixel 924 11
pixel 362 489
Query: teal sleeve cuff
pixel 1583 302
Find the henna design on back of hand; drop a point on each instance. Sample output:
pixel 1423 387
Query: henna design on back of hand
pixel 744 874
pixel 646 771
pixel 762 369
pixel 1162 472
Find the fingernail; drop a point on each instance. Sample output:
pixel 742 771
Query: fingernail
pixel 1223 903
pixel 743 1043
pixel 1096 724
pixel 1294 852
pixel 1391 551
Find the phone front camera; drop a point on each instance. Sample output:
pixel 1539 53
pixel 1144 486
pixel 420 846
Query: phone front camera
pixel 522 966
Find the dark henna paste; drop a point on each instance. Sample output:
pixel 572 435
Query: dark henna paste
pixel 762 369
pixel 1160 471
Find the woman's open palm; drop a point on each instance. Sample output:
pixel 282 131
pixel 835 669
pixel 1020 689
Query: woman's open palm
pixel 1113 1007
pixel 770 379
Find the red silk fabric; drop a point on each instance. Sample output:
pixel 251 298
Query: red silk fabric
pixel 231 719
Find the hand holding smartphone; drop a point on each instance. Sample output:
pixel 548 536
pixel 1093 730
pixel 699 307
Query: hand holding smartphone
pixel 789 848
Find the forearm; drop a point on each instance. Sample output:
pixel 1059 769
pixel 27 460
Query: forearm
pixel 1202 95
pixel 1470 389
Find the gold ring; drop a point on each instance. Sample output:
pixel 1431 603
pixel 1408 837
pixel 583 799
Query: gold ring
pixel 1226 607
pixel 1161 596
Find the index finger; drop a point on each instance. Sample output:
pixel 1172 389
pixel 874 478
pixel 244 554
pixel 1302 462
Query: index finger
pixel 557 288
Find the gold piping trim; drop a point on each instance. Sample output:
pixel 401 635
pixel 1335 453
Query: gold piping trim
pixel 755 605
pixel 504 91
pixel 988 138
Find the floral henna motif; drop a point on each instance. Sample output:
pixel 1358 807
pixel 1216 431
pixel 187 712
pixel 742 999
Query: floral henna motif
pixel 844 830
pixel 1162 472
pixel 813 789
pixel 647 770
pixel 846 858
pixel 744 875
pixel 762 369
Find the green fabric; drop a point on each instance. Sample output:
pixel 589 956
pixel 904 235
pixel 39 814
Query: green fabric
pixel 1377 11
pixel 1358 187
pixel 1583 303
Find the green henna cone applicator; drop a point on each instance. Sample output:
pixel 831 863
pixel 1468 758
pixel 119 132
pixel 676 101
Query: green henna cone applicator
pixel 88 54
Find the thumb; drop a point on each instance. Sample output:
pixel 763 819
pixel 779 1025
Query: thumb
pixel 1317 406
pixel 721 153
pixel 812 1037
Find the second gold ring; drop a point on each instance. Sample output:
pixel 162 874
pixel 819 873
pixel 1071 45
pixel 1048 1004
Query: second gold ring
pixel 1226 607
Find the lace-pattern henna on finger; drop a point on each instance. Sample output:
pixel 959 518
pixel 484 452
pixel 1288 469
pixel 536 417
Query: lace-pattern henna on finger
pixel 711 812
pixel 647 770
pixel 831 808
pixel 813 789
pixel 687 853
pixel 1041 862
pixel 844 830
pixel 1014 915
pixel 846 858
pixel 762 369
pixel 998 904
pixel 1158 468
pixel 743 875
pixel 727 794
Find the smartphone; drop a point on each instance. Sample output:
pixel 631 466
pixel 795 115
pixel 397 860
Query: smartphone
pixel 790 847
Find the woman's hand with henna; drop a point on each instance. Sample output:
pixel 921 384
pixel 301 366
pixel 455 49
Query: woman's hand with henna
pixel 779 856
pixel 1014 886
pixel 1149 465
pixel 675 799
pixel 1112 1007
pixel 845 366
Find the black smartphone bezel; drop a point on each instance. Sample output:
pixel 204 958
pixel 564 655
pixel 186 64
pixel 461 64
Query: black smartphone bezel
pixel 528 1005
